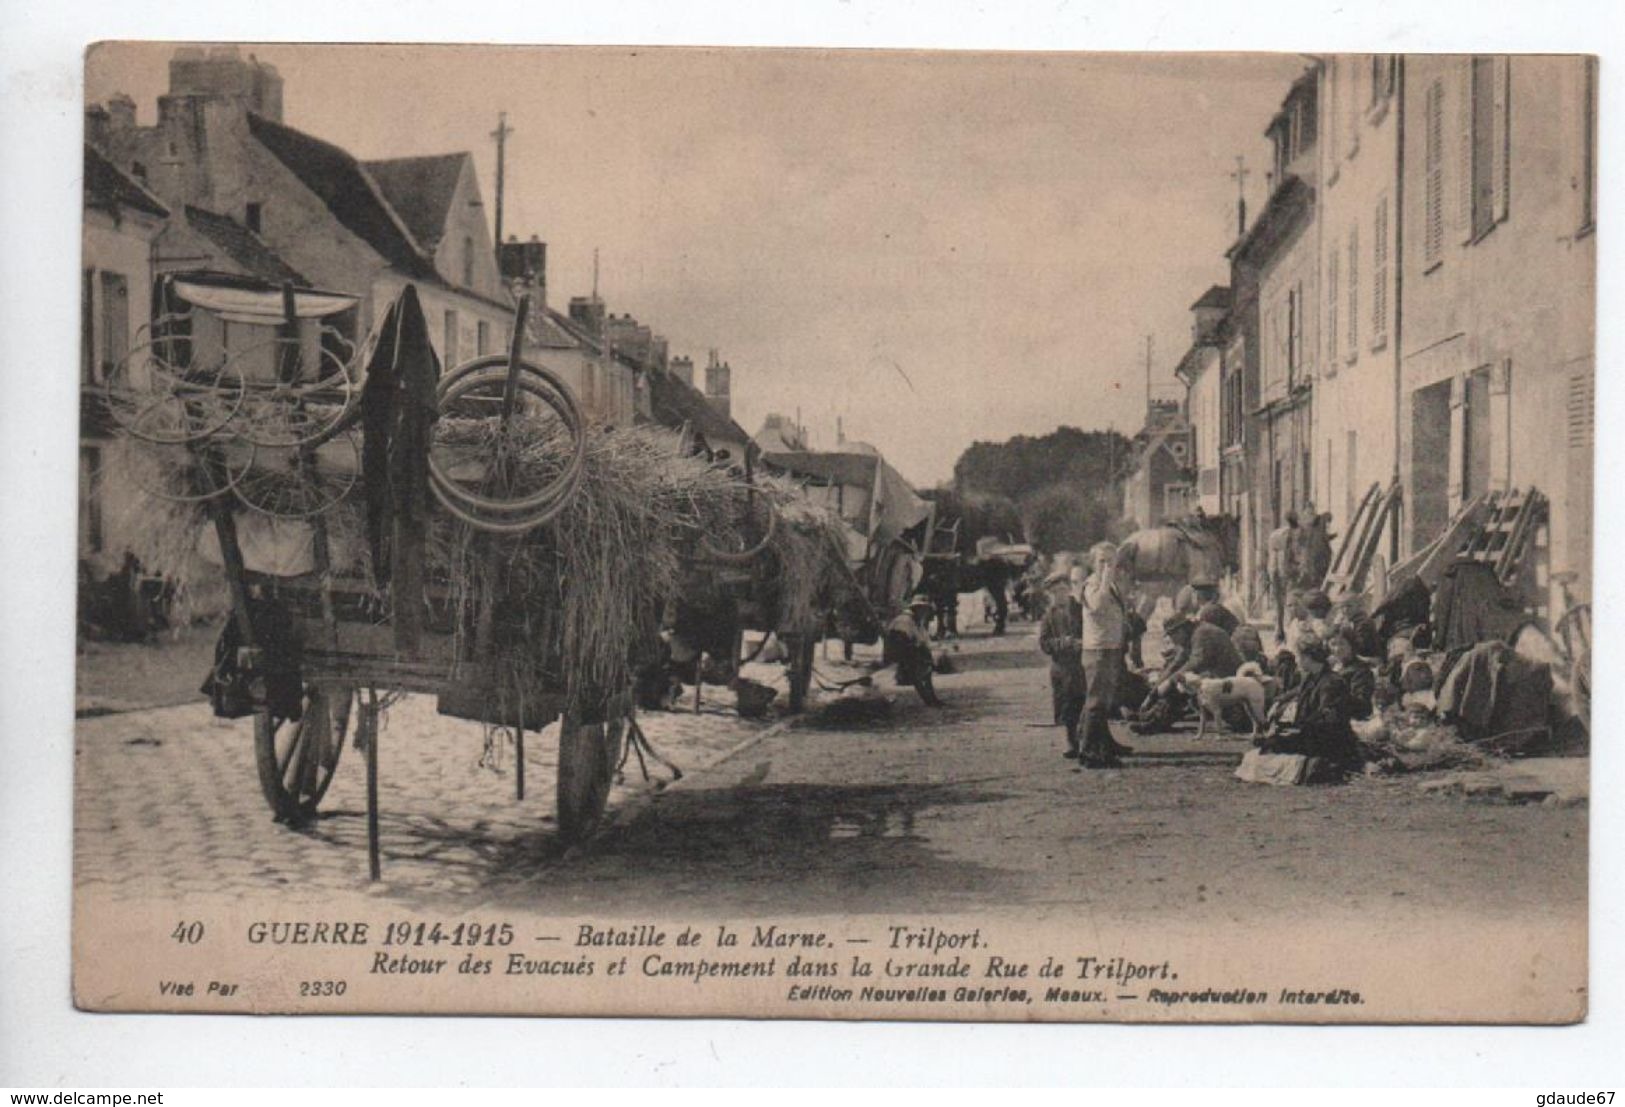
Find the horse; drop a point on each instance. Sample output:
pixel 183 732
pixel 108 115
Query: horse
pixel 1196 553
pixel 946 578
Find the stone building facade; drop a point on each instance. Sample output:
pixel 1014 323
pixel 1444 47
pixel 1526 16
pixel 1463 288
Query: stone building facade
pixel 1499 297
pixel 1355 430
pixel 365 229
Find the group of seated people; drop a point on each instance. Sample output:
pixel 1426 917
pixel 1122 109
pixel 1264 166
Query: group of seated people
pixel 1316 683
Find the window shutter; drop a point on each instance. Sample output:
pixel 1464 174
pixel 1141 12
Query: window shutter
pixel 1332 262
pixel 1379 273
pixel 87 327
pixel 1352 114
pixel 1501 137
pixel 1334 77
pixel 1354 291
pixel 1299 329
pixel 1464 168
pixel 1433 158
pixel 1588 145
pixel 1582 410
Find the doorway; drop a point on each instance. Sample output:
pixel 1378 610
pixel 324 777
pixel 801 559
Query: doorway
pixel 1430 462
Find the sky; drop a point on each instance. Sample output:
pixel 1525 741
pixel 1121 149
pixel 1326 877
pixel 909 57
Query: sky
pixel 937 248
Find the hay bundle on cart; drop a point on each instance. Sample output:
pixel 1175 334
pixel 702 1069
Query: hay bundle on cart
pixel 384 529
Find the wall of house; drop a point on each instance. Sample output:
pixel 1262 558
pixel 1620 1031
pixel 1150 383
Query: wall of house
pixel 604 388
pixel 1501 317
pixel 216 164
pixel 1288 293
pixel 1354 432
pixel 453 317
pixel 120 249
pixel 1203 409
pixel 467 229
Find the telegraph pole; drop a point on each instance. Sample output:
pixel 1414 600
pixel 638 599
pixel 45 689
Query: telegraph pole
pixel 501 135
pixel 1148 377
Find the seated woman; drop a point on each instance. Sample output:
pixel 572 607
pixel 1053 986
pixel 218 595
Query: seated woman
pixel 1318 724
pixel 1357 675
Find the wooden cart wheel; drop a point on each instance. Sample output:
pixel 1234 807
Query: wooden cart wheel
pixel 296 761
pixel 801 664
pixel 588 756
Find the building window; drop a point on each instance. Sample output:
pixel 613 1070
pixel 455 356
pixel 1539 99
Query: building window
pixel 482 338
pixel 253 216
pixel 1334 99
pixel 449 341
pixel 91 537
pixel 1379 274
pixel 1294 334
pixel 1476 433
pixel 1304 496
pixel 1333 261
pixel 1382 78
pixel 1351 463
pixel 115 327
pixel 1433 180
pixel 1354 292
pixel 1175 500
pixel 468 261
pixel 1487 143
pixel 1588 146
pixel 87 327
pixel 1351 114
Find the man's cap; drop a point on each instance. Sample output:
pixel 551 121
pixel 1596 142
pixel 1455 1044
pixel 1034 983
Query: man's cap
pixel 920 601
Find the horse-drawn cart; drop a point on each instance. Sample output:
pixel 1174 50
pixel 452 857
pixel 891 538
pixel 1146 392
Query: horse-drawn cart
pixel 788 577
pixel 383 530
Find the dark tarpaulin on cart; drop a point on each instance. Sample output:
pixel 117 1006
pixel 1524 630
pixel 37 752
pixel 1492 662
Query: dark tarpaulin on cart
pixel 398 412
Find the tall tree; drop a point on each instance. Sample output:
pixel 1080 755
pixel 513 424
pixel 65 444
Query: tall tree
pixel 1025 464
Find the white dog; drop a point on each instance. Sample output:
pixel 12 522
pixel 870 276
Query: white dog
pixel 1214 694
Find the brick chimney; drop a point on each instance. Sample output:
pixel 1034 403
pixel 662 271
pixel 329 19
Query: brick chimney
pixel 120 115
pixel 96 127
pixel 221 72
pixel 683 369
pixel 587 312
pixel 719 385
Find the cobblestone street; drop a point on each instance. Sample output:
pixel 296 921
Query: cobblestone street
pixel 963 808
pixel 168 801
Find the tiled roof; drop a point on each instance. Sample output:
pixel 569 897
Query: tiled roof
pixel 349 192
pixel 357 201
pixel 1217 296
pixel 1291 198
pixel 242 246
pixel 546 332
pixel 836 467
pixel 107 186
pixel 675 404
pixel 420 190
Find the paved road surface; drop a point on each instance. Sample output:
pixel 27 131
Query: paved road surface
pixel 964 808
